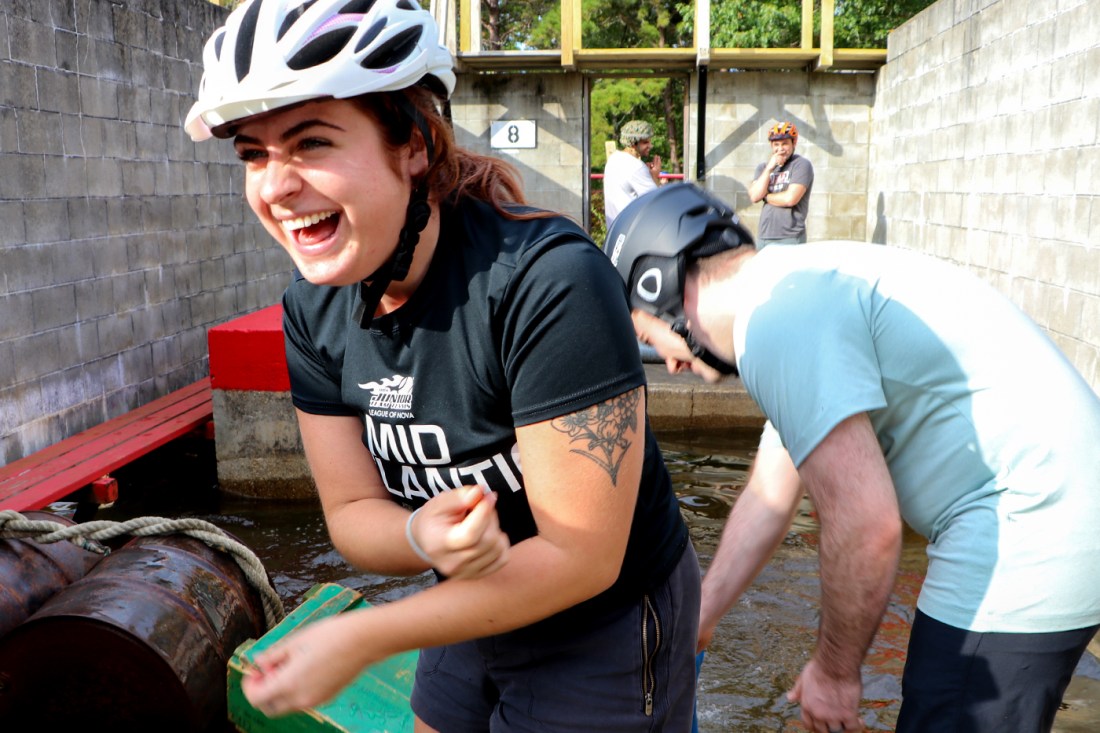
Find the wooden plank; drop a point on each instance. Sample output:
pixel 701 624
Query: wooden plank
pixel 59 470
pixel 103 453
pixel 199 390
pixel 44 486
pixel 86 446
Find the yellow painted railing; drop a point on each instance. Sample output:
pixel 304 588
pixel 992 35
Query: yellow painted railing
pixel 573 54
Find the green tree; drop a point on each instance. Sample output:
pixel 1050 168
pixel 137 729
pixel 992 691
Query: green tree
pixel 508 25
pixel 866 23
pixel 778 23
pixel 752 24
pixel 617 100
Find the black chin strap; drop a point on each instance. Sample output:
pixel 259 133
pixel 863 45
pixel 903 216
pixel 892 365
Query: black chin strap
pixel 417 214
pixel 397 267
pixel 679 327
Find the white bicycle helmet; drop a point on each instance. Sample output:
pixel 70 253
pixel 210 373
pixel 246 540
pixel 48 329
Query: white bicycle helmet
pixel 275 53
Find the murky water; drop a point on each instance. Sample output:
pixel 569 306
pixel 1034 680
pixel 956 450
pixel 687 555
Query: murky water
pixel 758 649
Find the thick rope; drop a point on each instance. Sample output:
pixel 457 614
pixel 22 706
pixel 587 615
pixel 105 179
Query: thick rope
pixel 88 536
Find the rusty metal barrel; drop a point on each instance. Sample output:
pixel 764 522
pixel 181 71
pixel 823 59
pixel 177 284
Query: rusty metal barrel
pixel 32 572
pixel 140 643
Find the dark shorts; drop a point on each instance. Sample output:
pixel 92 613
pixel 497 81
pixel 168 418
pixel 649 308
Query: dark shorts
pixel 959 681
pixel 635 673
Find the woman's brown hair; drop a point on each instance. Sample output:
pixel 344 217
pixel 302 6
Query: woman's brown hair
pixel 455 173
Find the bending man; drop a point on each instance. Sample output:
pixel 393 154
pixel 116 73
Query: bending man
pixel 898 387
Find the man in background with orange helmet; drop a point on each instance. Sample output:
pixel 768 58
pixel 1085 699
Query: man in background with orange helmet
pixel 783 183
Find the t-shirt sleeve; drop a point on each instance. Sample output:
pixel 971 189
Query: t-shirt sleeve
pixel 314 375
pixel 803 172
pixel 567 338
pixel 809 360
pixel 641 180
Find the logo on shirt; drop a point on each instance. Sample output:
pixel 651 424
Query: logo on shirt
pixel 390 396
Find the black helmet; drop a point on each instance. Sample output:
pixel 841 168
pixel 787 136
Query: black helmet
pixel 655 237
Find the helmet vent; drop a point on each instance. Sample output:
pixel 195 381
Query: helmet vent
pixel 320 49
pixel 242 57
pixel 358 6
pixel 292 17
pixel 372 33
pixel 406 5
pixel 393 51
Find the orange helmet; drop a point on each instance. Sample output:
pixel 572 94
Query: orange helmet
pixel 783 131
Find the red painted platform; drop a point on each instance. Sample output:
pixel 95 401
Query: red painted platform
pixel 71 464
pixel 247 353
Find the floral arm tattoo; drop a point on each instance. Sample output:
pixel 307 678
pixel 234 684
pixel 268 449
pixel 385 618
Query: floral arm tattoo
pixel 604 429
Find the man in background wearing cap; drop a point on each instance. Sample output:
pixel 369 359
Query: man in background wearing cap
pixel 626 175
pixel 783 183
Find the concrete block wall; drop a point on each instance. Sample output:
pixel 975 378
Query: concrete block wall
pixel 833 115
pixel 120 240
pixel 553 172
pixel 986 152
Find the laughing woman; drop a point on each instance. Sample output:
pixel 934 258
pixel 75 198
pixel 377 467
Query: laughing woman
pixel 468 389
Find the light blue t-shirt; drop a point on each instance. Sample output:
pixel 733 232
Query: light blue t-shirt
pixel 992 438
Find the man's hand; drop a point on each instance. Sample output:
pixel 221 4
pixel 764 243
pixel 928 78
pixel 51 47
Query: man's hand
pixel 829 704
pixel 654 166
pixel 460 532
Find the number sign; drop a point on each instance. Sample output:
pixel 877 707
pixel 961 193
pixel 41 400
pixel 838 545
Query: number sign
pixel 513 134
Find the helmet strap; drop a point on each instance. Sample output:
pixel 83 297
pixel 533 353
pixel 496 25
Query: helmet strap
pixel 679 327
pixel 417 214
pixel 371 290
pixel 413 114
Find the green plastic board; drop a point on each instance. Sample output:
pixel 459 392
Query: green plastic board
pixel 376 702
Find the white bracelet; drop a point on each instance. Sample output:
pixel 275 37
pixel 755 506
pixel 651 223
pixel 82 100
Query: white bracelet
pixel 412 541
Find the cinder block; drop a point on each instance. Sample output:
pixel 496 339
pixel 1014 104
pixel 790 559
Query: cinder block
pixel 129 26
pixel 31 43
pixel 29 268
pixel 12 226
pixel 21 176
pixel 115 332
pixel 47 220
pixel 92 20
pixel 98 98
pixel 35 355
pixel 18 314
pixel 104 177
pixel 64 176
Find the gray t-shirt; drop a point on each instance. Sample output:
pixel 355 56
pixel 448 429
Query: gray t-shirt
pixel 784 222
pixel 990 435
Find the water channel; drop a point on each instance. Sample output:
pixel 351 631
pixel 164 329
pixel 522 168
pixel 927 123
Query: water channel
pixel 757 651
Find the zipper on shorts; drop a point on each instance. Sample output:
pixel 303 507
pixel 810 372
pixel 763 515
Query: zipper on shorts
pixel 649 681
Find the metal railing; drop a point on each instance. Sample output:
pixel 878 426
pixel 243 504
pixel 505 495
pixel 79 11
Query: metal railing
pixel 573 55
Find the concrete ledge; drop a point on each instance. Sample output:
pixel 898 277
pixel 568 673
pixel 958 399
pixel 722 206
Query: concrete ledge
pixel 686 402
pixel 258 446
